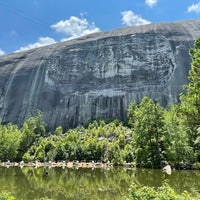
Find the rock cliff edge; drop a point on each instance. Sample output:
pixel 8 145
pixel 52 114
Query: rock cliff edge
pixel 97 76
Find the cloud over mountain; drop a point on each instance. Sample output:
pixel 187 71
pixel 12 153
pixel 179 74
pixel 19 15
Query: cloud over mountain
pixel 75 27
pixel 129 18
pixel 42 41
pixel 1 52
pixel 194 8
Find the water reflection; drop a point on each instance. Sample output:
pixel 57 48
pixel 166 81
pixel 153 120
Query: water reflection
pixel 97 184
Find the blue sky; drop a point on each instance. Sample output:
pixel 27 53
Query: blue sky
pixel 26 24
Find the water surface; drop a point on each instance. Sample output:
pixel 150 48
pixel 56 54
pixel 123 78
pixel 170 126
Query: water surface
pixel 85 184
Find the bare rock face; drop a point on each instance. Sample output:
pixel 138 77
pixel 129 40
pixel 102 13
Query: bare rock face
pixel 97 76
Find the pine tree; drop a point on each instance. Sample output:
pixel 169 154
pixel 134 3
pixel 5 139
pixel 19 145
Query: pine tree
pixel 148 133
pixel 190 102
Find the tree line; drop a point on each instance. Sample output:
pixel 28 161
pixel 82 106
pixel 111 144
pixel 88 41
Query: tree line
pixel 152 137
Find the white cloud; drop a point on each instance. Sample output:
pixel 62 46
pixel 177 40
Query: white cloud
pixel 72 28
pixel 75 27
pixel 42 41
pixel 2 52
pixel 129 18
pixel 194 8
pixel 151 3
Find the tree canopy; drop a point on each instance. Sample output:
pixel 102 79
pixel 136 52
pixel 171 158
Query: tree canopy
pixel 152 137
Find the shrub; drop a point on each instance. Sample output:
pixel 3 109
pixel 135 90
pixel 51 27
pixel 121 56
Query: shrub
pixel 150 193
pixel 6 196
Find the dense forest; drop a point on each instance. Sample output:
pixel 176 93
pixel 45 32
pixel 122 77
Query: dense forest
pixel 151 137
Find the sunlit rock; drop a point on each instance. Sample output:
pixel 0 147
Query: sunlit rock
pixel 167 169
pixel 97 76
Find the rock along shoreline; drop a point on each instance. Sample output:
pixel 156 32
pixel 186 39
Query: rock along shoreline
pixel 67 164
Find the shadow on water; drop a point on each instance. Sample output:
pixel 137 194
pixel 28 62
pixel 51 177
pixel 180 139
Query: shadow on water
pixel 86 184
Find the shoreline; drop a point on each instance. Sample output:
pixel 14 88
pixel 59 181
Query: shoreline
pixel 69 164
pixel 77 164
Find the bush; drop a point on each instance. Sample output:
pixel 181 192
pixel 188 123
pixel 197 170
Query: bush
pixel 150 193
pixel 6 196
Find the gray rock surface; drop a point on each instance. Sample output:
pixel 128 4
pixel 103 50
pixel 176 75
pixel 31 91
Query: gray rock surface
pixel 97 76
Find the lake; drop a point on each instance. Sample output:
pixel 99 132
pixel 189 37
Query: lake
pixel 31 183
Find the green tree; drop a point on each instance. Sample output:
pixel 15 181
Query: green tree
pixel 130 113
pixel 175 138
pixel 27 140
pixel 59 130
pixel 32 129
pixel 37 125
pixel 10 137
pixel 190 102
pixel 148 133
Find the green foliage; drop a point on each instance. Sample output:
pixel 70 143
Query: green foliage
pixel 177 149
pixel 6 196
pixel 190 102
pixel 59 130
pixel 15 142
pixel 10 138
pixel 154 135
pixel 99 142
pixel 148 133
pixel 130 113
pixel 36 125
pixel 149 193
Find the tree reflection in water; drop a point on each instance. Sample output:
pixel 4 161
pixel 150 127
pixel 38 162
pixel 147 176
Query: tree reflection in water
pixel 96 184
